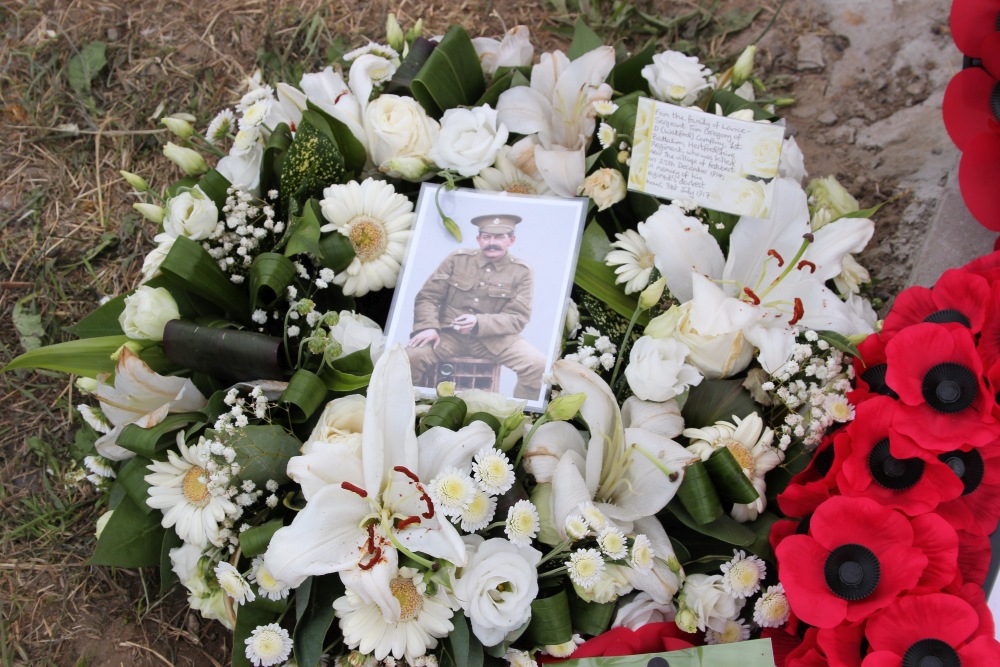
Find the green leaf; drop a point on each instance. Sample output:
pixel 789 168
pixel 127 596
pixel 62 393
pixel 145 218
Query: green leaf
pixel 84 66
pixel 590 618
pixel 251 615
pixel 302 235
pixel 503 81
pixel 28 322
pixel 728 478
pixel 762 527
pixel 451 77
pixel 263 453
pixel 698 495
pixel 148 441
pixel 718 400
pixel 584 40
pixel 225 353
pixel 274 157
pixel 839 341
pixel 627 75
pixel 419 51
pixel 336 251
pixel 731 102
pixel 132 478
pixel 131 538
pixel 464 649
pixel 215 185
pixel 197 272
pixel 314 617
pixel 101 322
pixel 87 357
pixel 448 412
pixel 304 395
pixel 270 274
pixel 167 575
pixel 254 541
pixel 598 279
pixel 550 620
pixel 312 162
pixel 353 150
pixel 724 528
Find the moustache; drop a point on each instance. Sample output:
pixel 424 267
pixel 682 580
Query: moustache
pixel 492 247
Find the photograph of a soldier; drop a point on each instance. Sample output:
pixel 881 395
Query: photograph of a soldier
pixel 498 296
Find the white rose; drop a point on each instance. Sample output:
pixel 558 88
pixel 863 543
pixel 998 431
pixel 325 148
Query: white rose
pixel 497 586
pixel 191 214
pixel 356 332
pixel 147 311
pixel 398 128
pixel 342 417
pixel 151 265
pixel 469 140
pixel 675 77
pixel 704 596
pixel 716 357
pixel 656 370
pixel 606 187
pixel 764 157
pixel 572 324
pixel 741 196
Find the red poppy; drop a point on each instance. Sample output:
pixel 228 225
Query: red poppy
pixel 650 638
pixel 971 22
pixel 808 653
pixel 808 489
pixel 782 528
pixel 918 627
pixel 844 645
pixel 857 558
pixel 987 266
pixel 975 596
pixel 966 106
pixel 870 369
pixel 989 341
pixel 978 508
pixel 978 174
pixel 939 378
pixel 958 296
pixel 882 464
pixel 939 542
pixel 974 553
pixel 784 640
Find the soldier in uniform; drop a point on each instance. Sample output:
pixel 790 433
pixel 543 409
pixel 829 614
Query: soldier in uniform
pixel 475 305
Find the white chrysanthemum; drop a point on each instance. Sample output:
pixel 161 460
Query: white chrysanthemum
pixel 518 658
pixel 479 513
pixel 179 487
pixel 256 113
pixel 493 471
pixel 256 95
pixel 771 609
pixel 377 221
pixel 613 543
pixel 220 126
pixel 733 631
pixel 593 516
pixel 633 259
pixel 564 650
pixel 606 135
pixel 742 575
pixel 268 586
pixel 246 139
pixel 95 419
pixel 422 619
pixel 576 527
pixel 268 645
pixel 585 567
pixel 381 50
pixel 451 492
pixel 100 466
pixel 642 554
pixel 838 407
pixel 505 176
pixel 233 583
pixel 522 523
pixel 604 107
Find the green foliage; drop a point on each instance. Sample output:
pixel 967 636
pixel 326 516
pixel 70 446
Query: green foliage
pixel 312 162
pixel 451 77
pixel 304 395
pixel 196 272
pixel 550 620
pixel 132 538
pixel 28 323
pixel 314 616
pixel 87 357
pixel 263 452
pixel 270 274
pixel 83 68
pixel 254 541
pixel 597 278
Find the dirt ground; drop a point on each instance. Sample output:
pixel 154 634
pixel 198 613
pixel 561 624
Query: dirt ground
pixel 867 77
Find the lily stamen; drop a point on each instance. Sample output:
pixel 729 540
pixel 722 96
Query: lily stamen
pixel 753 297
pixel 774 253
pixel 799 311
pixel 373 561
pixel 408 521
pixel 806 262
pixel 355 489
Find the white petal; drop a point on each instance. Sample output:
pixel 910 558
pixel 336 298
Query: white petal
pixel 441 448
pixel 563 170
pixel 388 439
pixel 548 445
pixel 681 245
pixel 836 239
pixel 524 110
pixel 568 490
pixel 649 487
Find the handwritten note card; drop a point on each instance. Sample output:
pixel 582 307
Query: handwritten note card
pixel 717 162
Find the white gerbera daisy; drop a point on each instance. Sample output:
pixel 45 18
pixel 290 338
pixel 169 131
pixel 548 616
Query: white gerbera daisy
pixel 377 221
pixel 505 176
pixel 606 135
pixel 179 487
pixel 493 471
pixel 585 567
pixel 604 108
pixel 268 645
pixel 479 513
pixel 742 575
pixel 522 523
pixel 268 586
pixel 642 553
pixel 634 260
pixel 233 583
pixel 422 619
pixel 612 542
pixel 734 630
pixel 772 610
pixel 451 492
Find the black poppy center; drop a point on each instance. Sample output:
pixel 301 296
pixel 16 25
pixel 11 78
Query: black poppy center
pixel 931 653
pixel 967 466
pixel 949 387
pixel 874 377
pixel 852 572
pixel 947 316
pixel 890 472
pixel 823 460
pixel 803 527
pixel 995 100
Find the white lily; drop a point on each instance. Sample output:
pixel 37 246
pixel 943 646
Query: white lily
pixel 140 396
pixel 556 111
pixel 375 503
pixel 515 50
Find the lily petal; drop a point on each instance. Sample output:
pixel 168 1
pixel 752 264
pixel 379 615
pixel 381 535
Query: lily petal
pixel 569 490
pixel 681 245
pixel 326 464
pixel 523 110
pixel 562 169
pixel 549 443
pixel 836 239
pixel 662 418
pixel 646 487
pixel 441 448
pixel 388 439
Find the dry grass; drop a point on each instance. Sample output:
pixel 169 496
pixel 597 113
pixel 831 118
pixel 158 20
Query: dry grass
pixel 68 236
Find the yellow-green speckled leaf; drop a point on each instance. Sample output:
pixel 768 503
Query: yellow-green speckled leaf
pixel 312 163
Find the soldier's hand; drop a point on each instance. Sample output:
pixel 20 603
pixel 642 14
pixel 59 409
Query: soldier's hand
pixel 425 338
pixel 464 324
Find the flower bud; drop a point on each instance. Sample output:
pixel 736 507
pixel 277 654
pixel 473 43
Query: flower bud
pixel 650 296
pixel 416 31
pixel 687 621
pixel 187 159
pixel 565 407
pixel 151 212
pixel 744 66
pixel 394 34
pixel 444 388
pixel 131 346
pixel 86 385
pixel 180 127
pixel 136 181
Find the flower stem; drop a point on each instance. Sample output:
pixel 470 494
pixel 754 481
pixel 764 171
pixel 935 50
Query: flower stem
pixel 406 552
pixel 621 348
pixel 558 549
pixel 524 443
pixel 555 572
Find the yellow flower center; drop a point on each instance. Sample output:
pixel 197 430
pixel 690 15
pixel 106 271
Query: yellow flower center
pixel 742 455
pixel 410 600
pixel 368 237
pixel 521 188
pixel 194 487
pixel 744 575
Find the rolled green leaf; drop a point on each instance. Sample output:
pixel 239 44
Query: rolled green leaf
pixel 254 541
pixel 451 77
pixel 132 478
pixel 487 418
pixel 728 478
pixel 590 618
pixel 448 411
pixel 270 274
pixel 420 51
pixel 196 271
pixel 698 495
pixel 724 528
pixel 263 453
pixel 148 441
pixel 550 620
pixel 274 156
pixel 598 279
pixel 228 354
pixel 304 395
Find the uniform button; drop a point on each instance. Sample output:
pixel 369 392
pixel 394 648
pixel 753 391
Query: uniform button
pixel 499 284
pixel 488 270
pixel 482 283
pixel 476 299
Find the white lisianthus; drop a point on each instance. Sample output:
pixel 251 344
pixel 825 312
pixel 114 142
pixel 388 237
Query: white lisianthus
pixel 675 77
pixel 657 371
pixel 469 140
pixel 642 610
pixel 187 159
pixel 606 187
pixel 191 214
pixel 741 196
pixel 611 584
pixel 764 157
pixel 196 575
pixel 792 163
pixel 342 417
pixel 242 167
pixel 828 193
pixel 704 596
pixel 497 586
pixel 400 136
pixel 147 311
pixel 716 357
pixel 356 332
pixel 151 265
pixel 514 51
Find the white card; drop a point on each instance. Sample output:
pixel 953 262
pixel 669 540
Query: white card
pixel 719 163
